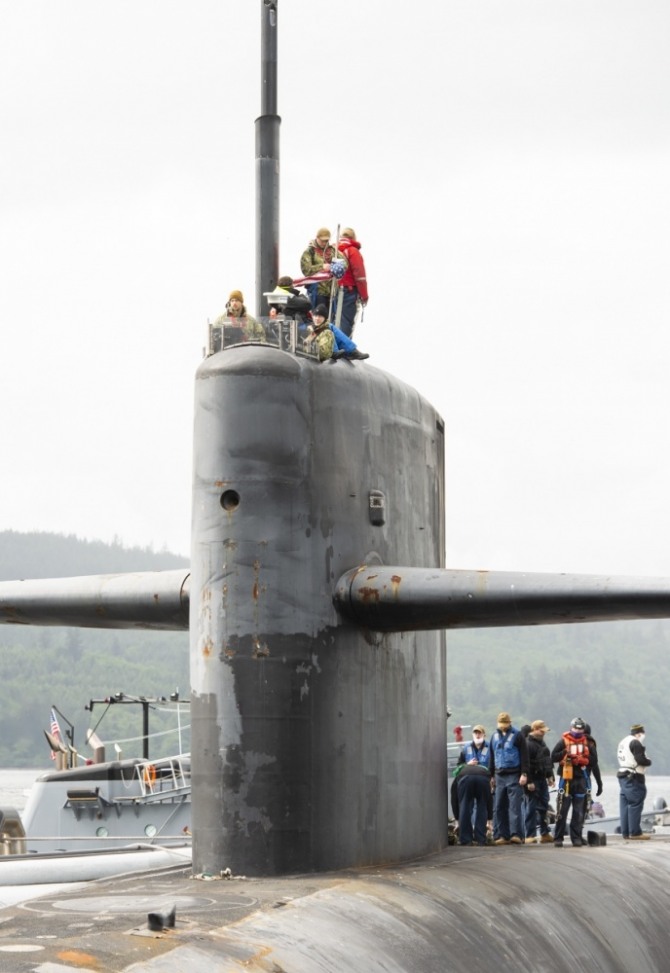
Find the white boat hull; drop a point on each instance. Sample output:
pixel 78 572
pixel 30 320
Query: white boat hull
pixel 86 866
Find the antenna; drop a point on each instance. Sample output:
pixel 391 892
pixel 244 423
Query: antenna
pixel 267 161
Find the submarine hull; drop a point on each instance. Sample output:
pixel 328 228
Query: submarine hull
pixel 466 910
pixel 316 744
pixel 469 911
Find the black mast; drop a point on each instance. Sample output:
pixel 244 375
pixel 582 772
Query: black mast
pixel 267 161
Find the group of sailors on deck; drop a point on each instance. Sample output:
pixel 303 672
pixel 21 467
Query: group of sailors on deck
pixel 336 289
pixel 500 790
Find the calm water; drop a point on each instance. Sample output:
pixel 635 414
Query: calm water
pixel 15 784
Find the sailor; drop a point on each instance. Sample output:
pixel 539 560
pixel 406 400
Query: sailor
pixel 540 779
pixel 237 316
pixel 574 783
pixel 293 305
pixel 633 762
pixel 508 764
pixel 344 346
pixel 353 285
pixel 324 337
pixel 476 793
pixel 594 768
pixel 470 802
pixel 316 258
pixel 477 750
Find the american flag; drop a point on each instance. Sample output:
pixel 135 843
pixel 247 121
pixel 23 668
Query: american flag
pixel 54 730
pixel 313 279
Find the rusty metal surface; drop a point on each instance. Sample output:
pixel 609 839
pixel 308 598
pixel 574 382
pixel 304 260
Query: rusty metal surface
pixel 396 599
pixel 149 600
pixel 468 910
pixel 381 597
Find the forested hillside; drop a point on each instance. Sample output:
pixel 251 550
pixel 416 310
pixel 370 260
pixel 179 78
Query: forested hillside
pixel 69 666
pixel 611 674
pixel 43 555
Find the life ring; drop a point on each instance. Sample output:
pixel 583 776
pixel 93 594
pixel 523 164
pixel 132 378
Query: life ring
pixel 149 775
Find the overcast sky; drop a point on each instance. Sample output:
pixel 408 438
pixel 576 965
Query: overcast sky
pixel 505 165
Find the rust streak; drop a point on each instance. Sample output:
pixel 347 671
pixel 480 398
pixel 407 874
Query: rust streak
pixel 369 594
pixel 78 958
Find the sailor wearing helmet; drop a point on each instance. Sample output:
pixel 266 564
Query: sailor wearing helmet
pixel 572 755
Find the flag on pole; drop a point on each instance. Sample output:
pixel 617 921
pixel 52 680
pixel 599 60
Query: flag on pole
pixel 54 729
pixel 316 278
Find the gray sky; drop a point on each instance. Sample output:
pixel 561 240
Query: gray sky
pixel 505 165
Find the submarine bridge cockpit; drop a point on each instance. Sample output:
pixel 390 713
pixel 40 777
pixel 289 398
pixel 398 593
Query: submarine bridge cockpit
pixel 279 332
pixel 276 331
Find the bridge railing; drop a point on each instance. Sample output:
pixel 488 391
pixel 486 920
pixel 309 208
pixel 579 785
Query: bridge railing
pixel 276 332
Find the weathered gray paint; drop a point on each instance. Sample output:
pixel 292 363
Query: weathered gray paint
pixel 151 599
pixel 383 598
pixel 395 598
pixel 311 738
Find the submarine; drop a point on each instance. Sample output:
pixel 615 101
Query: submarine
pixel 317 602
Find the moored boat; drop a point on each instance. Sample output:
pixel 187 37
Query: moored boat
pixel 94 804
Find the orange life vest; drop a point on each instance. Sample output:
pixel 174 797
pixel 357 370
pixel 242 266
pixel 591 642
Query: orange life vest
pixel 576 751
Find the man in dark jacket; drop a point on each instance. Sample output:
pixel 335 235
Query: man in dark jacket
pixel 540 779
pixel 475 752
pixel 470 796
pixel 595 766
pixel 290 302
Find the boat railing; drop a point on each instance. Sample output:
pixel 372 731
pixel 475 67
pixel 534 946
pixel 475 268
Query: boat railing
pixel 165 777
pixel 275 332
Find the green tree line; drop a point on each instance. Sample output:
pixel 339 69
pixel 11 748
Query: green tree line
pixel 67 667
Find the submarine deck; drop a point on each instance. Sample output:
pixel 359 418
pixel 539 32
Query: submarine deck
pixel 466 909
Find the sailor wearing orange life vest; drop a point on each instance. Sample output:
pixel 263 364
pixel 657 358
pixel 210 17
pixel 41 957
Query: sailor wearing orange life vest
pixel 572 754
